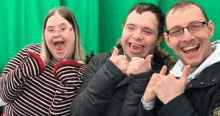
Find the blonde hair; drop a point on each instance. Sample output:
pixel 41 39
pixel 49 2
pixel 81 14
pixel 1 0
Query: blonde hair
pixel 67 14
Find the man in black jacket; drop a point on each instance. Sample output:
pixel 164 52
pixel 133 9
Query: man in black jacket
pixel 193 86
pixel 114 82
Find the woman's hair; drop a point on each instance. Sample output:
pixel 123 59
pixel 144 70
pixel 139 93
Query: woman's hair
pixel 70 17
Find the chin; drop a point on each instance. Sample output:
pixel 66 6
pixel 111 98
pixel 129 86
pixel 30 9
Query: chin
pixel 194 64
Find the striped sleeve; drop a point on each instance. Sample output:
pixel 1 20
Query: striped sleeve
pixel 70 76
pixel 23 66
pixel 69 72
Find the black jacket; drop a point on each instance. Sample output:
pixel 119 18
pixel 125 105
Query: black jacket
pixel 107 91
pixel 201 97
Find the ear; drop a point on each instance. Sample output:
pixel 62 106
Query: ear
pixel 167 39
pixel 211 29
pixel 160 39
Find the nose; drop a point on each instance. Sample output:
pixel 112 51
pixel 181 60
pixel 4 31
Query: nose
pixel 137 35
pixel 56 33
pixel 187 36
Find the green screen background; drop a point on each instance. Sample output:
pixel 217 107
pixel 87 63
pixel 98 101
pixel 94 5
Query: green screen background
pixel 100 22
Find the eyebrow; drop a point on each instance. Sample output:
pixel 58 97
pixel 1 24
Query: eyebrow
pixel 145 28
pixel 130 24
pixel 178 26
pixel 62 24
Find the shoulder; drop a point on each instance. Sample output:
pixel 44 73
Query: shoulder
pixel 35 47
pixel 100 58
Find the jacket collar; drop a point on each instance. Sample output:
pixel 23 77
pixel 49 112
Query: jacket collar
pixel 208 77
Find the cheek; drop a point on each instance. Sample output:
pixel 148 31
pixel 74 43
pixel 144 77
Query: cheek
pixel 151 42
pixel 126 34
pixel 174 44
pixel 48 38
pixel 71 42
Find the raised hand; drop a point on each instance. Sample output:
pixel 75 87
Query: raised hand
pixel 139 65
pixel 119 60
pixel 149 94
pixel 168 87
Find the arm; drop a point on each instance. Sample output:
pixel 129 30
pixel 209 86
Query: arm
pixel 23 66
pixel 179 106
pixel 70 76
pixel 100 79
pixel 134 93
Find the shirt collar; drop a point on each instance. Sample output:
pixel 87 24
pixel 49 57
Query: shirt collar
pixel 213 58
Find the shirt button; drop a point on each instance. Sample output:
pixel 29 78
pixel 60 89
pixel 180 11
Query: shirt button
pixel 190 85
pixel 202 83
pixel 213 80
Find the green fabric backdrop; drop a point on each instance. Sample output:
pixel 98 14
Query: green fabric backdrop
pixel 100 22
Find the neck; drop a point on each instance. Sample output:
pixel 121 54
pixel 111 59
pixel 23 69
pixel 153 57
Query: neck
pixel 194 67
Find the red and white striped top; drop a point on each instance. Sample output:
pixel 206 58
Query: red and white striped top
pixel 28 92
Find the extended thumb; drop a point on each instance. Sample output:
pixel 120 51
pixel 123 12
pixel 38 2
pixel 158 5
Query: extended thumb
pixel 149 58
pixel 115 51
pixel 185 72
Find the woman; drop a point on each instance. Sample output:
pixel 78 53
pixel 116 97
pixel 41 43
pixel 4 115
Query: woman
pixel 45 84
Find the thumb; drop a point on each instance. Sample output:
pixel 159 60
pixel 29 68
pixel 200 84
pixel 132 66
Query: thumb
pixel 149 58
pixel 163 70
pixel 185 73
pixel 115 51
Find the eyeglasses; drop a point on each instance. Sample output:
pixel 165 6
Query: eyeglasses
pixel 192 28
pixel 61 30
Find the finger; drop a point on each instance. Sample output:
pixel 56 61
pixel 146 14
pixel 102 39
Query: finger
pixel 30 50
pixel 115 51
pixel 135 58
pixel 171 75
pixel 163 70
pixel 122 57
pixel 149 58
pixel 185 73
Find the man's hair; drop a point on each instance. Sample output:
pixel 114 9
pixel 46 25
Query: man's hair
pixel 182 4
pixel 143 7
pixel 67 14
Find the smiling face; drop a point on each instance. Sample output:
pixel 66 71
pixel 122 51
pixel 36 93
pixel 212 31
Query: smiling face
pixel 191 48
pixel 60 38
pixel 140 34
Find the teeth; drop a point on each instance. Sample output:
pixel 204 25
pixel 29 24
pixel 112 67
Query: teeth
pixel 58 42
pixel 135 45
pixel 190 47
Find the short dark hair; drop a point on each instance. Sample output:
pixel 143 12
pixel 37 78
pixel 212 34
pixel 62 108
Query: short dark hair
pixel 182 4
pixel 143 7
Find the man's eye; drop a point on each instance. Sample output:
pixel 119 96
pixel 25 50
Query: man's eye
pixel 63 29
pixel 196 26
pixel 50 30
pixel 148 32
pixel 131 28
pixel 174 31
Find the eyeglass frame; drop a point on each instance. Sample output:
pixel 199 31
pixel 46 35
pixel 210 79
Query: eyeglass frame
pixel 203 23
pixel 58 30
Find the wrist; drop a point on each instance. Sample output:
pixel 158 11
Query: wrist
pixel 149 97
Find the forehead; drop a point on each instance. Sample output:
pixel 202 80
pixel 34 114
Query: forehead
pixel 145 19
pixel 183 16
pixel 56 20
